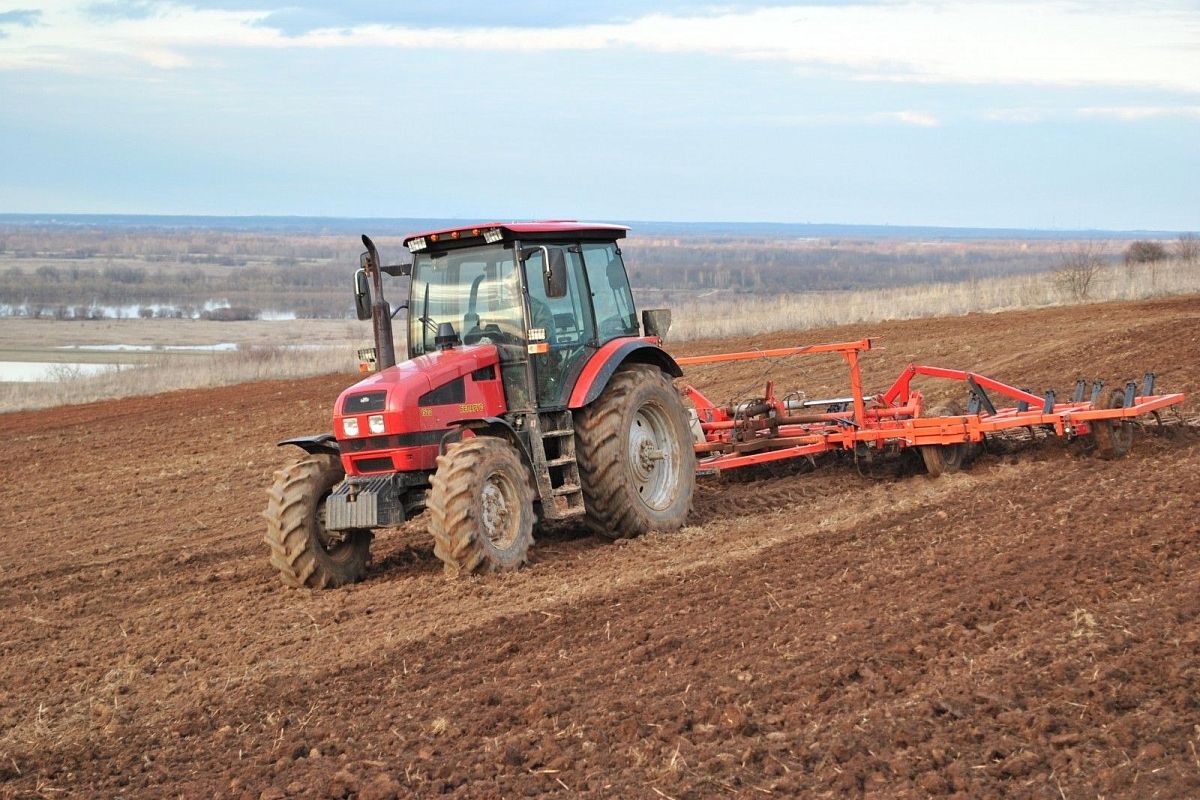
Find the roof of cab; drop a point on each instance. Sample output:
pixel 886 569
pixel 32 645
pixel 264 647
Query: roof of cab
pixel 539 228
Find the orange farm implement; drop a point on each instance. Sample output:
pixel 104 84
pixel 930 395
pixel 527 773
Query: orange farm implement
pixel 774 428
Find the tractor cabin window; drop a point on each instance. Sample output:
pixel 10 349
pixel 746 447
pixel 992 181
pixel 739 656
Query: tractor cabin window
pixel 477 290
pixel 564 324
pixel 611 297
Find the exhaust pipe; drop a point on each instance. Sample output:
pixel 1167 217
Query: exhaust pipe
pixel 381 312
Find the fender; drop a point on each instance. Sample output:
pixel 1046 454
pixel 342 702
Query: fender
pixel 314 445
pixel 492 426
pixel 605 361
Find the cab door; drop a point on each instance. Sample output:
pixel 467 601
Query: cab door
pixel 562 330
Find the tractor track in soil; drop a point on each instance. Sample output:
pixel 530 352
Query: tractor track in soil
pixel 1026 628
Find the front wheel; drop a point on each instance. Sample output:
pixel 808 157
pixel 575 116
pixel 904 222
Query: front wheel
pixel 304 552
pixel 481 507
pixel 635 456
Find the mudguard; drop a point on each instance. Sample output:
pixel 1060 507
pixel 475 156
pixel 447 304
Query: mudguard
pixel 607 359
pixel 495 426
pixel 321 443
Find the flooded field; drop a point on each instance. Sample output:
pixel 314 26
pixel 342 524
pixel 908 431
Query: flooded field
pixel 51 362
pixel 48 371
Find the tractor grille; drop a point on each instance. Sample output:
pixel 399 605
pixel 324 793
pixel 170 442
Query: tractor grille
pixel 418 439
pixel 370 443
pixel 374 465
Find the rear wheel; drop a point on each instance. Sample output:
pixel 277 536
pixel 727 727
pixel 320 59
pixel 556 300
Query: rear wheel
pixel 481 507
pixel 635 455
pixel 304 552
pixel 1112 437
pixel 943 458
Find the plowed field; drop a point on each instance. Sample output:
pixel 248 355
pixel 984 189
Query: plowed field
pixel 1029 627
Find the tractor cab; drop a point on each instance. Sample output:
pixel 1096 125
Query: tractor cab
pixel 547 295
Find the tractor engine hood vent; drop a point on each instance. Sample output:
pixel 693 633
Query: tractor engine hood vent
pixel 363 402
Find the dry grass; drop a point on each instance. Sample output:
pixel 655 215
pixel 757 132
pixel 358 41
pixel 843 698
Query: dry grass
pixel 167 373
pixel 748 315
pixel 745 315
pixel 24 333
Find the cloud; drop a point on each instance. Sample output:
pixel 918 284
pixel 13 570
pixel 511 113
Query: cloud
pixel 917 118
pixel 1060 42
pixel 1018 115
pixel 1120 113
pixel 1138 113
pixel 23 17
pixel 304 16
pixel 121 9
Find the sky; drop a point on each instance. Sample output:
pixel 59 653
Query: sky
pixel 1057 114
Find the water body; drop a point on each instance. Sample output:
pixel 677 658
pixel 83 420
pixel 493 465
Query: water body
pixel 49 371
pixel 223 347
pixel 134 311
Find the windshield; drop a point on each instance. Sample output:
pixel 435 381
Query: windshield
pixel 476 290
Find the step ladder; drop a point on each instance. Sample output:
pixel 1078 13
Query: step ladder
pixel 554 466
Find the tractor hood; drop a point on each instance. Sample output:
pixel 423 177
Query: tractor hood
pixel 400 388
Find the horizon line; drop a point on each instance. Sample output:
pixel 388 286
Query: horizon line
pixel 50 217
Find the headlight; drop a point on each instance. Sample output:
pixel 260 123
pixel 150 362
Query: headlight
pixel 374 423
pixel 350 426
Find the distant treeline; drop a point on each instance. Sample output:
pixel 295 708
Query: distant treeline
pixel 774 266
pixel 44 269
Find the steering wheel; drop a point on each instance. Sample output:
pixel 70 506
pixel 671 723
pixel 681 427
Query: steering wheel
pixel 492 333
pixel 565 330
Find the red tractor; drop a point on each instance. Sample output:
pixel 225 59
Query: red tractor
pixel 530 392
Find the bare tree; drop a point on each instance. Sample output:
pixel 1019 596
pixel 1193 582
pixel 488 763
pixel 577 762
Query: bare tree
pixel 1078 268
pixel 1187 248
pixel 1145 251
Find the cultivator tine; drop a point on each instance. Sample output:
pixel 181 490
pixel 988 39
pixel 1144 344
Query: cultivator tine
pixel 1023 405
pixel 1130 393
pixel 1148 384
pixel 972 404
pixel 984 400
pixel 1097 387
pixel 1080 389
pixel 1048 406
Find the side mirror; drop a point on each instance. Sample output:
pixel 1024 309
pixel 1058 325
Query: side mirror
pixel 556 274
pixel 362 295
pixel 656 322
pixel 554 269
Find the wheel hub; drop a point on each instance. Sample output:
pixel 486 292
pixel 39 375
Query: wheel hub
pixel 499 523
pixel 330 540
pixel 649 456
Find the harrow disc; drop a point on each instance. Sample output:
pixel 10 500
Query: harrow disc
pixel 1112 437
pixel 942 458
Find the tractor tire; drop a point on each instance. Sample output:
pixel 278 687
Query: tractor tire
pixel 481 507
pixel 634 448
pixel 301 549
pixel 1112 437
pixel 943 458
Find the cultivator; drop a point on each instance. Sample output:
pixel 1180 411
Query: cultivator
pixel 772 428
